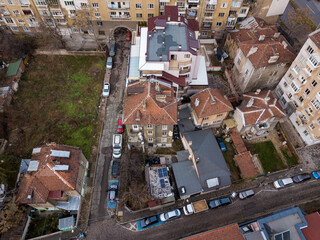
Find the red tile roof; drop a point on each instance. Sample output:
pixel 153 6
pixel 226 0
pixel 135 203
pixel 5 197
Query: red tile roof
pixel 155 112
pixel 247 168
pixel 315 37
pixel 231 232
pixel 45 179
pixel 181 81
pixel 262 107
pixel 237 141
pixel 270 46
pixel 205 107
pixel 312 232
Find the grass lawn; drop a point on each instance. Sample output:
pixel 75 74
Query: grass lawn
pixel 268 156
pixel 57 102
pixel 291 158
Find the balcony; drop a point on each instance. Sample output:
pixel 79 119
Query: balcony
pixel 206 25
pixel 118 5
pixel 193 1
pixel 24 3
pixel 4 11
pixel 120 16
pixel 184 71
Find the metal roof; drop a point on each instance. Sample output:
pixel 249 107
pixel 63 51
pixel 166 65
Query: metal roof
pixel 61 167
pixel 33 166
pixel 66 223
pixel 13 68
pixel 36 150
pixel 72 205
pixel 57 153
pixel 24 165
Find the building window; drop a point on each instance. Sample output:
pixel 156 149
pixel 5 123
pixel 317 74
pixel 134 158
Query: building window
pixel 95 5
pixel 149 125
pixel 285 84
pixel 56 13
pixel 210 6
pixel 164 127
pixel 8 20
pixel 208 14
pixel 312 126
pixel 20 20
pixel 10 2
pixel 26 29
pixel 150 15
pixel 313 60
pixel 316 103
pixel 138 6
pixel 289 95
pixel 14 29
pixel 291 76
pixel 102 33
pixel 16 12
pixel 302 59
pixel 236 4
pixel 69 3
pixel 274 73
pixel 187 56
pixel 150 6
pixel 164 133
pixel 163 140
pixel 219 24
pixel 97 15
pixel 305 132
pixel 72 12
pixel 294 87
pixel 296 69
pixel 220 115
pixel 314 83
pixel 99 23
pixel 41 2
pixel 310 50
pixel 318 119
pixel 150 139
pixel 307 91
pixel 243 11
pixel 139 15
pixel 301 99
pixel 221 15
pixel 223 5
pixel 150 132
pixel 205 118
pixel 135 127
pixel 284 101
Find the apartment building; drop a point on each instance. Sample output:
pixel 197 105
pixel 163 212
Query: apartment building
pixel 105 16
pixel 150 111
pixel 299 90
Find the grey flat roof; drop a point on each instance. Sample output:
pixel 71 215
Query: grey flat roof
pixel 182 155
pixel 186 176
pixel 65 223
pixel 211 161
pixel 72 205
pixel 24 165
pixel 134 68
pixel 174 36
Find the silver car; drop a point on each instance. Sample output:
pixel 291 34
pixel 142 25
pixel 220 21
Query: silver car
pixel 106 90
pixel 109 62
pixel 170 215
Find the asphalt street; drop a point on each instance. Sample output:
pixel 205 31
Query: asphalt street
pixel 265 201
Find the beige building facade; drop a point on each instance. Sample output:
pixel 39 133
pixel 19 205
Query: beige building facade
pixel 299 90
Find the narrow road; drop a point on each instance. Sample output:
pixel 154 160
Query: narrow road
pixel 266 201
pixel 113 112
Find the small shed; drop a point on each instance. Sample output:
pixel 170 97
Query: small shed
pixel 66 224
pixel 15 69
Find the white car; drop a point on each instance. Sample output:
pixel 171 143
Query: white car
pixel 170 215
pixel 109 62
pixel 106 90
pixel 282 182
pixel 188 209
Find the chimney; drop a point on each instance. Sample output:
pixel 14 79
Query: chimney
pixel 196 102
pixel 138 116
pixel 250 103
pixel 157 87
pixel 190 143
pixel 252 51
pixel 149 35
pixel 285 45
pixel 276 35
pixel 29 197
pixel 179 19
pixel 197 159
pixel 273 59
pixel 144 105
pixel 213 101
pixel 257 91
pixel 164 32
pixel 163 41
pixel 261 37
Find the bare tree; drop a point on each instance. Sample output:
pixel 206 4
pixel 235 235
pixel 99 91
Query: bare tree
pixel 50 37
pixel 299 21
pixel 11 217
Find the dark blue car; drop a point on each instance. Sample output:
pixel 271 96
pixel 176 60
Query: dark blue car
pixel 149 221
pixel 221 144
pixel 219 202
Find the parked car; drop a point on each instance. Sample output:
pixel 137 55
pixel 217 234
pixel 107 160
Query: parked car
pixel 115 168
pixel 219 202
pixel 120 126
pixel 148 221
pixel 117 145
pixel 128 36
pixel 282 182
pixel 109 62
pixel 170 215
pixel 301 177
pixel 221 144
pixel 316 174
pixel 106 90
pixel 112 51
pixel 188 209
pixel 246 194
pixel 113 193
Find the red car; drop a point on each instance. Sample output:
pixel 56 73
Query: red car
pixel 128 37
pixel 120 126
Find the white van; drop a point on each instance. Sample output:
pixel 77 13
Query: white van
pixel 117 145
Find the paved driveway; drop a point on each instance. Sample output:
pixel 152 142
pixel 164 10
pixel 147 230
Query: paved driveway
pixel 266 201
pixel 99 209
